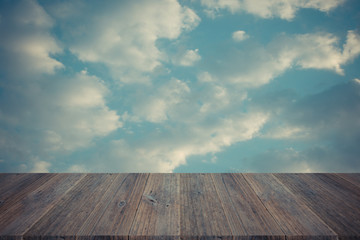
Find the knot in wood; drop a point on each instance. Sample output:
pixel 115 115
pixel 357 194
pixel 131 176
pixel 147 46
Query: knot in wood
pixel 122 203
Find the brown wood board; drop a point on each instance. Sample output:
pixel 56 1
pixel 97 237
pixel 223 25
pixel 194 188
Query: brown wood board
pixel 333 208
pixel 293 216
pixel 354 178
pixel 118 217
pixel 66 218
pixel 201 213
pixel 158 215
pixel 135 206
pixel 24 212
pixel 247 216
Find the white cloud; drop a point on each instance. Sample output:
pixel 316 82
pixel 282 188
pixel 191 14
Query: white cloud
pixel 284 9
pixel 82 112
pixel 239 36
pixel 26 40
pixel 257 66
pixel 287 132
pixel 189 58
pixel 124 36
pixel 205 77
pixel 50 120
pixel 84 92
pixel 320 51
pixel 41 167
pixel 351 48
pixel 155 107
pixel 164 152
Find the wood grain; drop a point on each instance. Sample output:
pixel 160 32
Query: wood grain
pixel 14 187
pixel 354 178
pixel 22 214
pixel 247 216
pixel 336 184
pixel 201 213
pixel 85 231
pixel 293 216
pixel 158 215
pixel 326 202
pixel 119 215
pixel 134 206
pixel 66 218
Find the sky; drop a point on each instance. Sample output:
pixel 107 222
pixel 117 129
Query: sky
pixel 180 86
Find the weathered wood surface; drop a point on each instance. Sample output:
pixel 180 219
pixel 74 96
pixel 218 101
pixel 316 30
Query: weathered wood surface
pixel 179 206
pixel 333 199
pixel 201 212
pixel 246 214
pixel 158 215
pixel 293 215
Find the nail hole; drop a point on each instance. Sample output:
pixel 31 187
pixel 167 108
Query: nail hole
pixel 151 199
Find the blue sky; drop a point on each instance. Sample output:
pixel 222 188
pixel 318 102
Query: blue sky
pixel 180 86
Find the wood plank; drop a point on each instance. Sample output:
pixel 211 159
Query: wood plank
pixel 17 189
pixel 8 178
pixel 118 217
pixel 293 216
pixel 247 216
pixel 158 215
pixel 333 209
pixel 335 183
pixel 354 178
pixel 89 224
pixel 66 218
pixel 201 212
pixel 21 215
pixel 166 206
pixel 16 186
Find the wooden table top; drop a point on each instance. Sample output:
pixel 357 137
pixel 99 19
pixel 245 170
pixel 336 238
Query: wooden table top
pixel 179 206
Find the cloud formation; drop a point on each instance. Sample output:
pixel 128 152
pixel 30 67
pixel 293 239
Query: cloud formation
pixel 157 106
pixel 163 151
pixel 41 113
pixel 145 86
pixel 26 43
pixel 239 36
pixel 284 9
pixel 328 120
pixel 188 58
pixel 256 65
pixel 122 35
pixel 62 116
